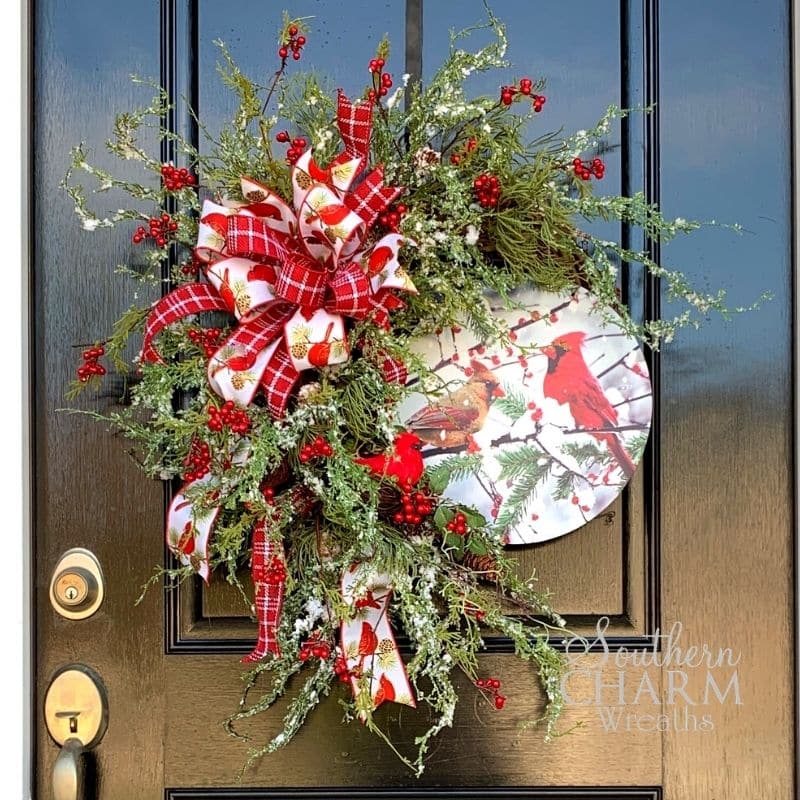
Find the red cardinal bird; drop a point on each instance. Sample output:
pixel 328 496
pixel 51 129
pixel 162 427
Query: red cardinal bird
pixel 385 691
pixel 403 462
pixel 450 422
pixel 568 380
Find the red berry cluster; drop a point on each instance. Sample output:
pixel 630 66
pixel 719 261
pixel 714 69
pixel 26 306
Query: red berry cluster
pixel 471 144
pixel 91 366
pixel 381 81
pixel 340 669
pixel 458 524
pixel 191 267
pixel 315 647
pixel 198 461
pixel 297 145
pixel 525 88
pixel 585 169
pixel 318 448
pixel 160 229
pixel 207 338
pixel 492 685
pixel 176 179
pixel 275 573
pixel 536 412
pixel 390 218
pixel 228 416
pixel 294 43
pixel 487 189
pixel 416 507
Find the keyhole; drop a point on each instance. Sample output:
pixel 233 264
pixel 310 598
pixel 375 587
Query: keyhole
pixel 71 592
pixel 73 724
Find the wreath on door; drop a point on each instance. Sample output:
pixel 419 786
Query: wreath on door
pixel 388 351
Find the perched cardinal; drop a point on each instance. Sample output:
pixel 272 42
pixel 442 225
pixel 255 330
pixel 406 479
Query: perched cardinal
pixel 402 462
pixel 451 421
pixel 568 380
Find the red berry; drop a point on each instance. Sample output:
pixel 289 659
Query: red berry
pixel 499 702
pixel 283 52
pixel 293 30
pixel 282 136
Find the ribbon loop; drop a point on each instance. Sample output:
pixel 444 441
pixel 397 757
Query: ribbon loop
pixel 252 237
pixel 355 126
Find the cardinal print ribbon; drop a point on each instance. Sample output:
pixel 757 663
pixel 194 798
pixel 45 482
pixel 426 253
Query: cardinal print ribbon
pixel 189 527
pixel 292 274
pixel 368 642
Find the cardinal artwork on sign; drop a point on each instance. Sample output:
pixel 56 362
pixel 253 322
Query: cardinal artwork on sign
pixel 542 434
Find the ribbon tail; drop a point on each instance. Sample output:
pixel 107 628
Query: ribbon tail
pixel 369 644
pixel 269 576
pixel 189 529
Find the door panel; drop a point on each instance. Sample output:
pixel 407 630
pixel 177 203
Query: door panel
pixel 702 536
pixel 584 76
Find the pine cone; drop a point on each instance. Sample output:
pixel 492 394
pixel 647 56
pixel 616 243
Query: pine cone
pixel 299 349
pixel 388 500
pixel 255 196
pixel 303 179
pixel 485 565
pixel 243 303
pixel 238 381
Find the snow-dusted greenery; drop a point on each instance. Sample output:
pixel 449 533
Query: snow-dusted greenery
pixel 463 250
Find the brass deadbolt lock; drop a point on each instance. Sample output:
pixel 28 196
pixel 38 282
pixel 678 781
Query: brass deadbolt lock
pixel 76 590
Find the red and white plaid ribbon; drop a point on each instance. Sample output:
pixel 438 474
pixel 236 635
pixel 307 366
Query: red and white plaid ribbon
pixel 269 578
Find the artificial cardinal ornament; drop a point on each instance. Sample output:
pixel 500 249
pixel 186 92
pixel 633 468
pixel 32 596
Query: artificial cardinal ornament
pixel 402 461
pixel 569 381
pixel 450 422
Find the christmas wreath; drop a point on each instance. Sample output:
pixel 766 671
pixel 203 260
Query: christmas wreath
pixel 369 369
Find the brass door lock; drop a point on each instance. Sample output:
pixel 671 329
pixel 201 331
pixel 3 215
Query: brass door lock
pixel 77 590
pixel 76 715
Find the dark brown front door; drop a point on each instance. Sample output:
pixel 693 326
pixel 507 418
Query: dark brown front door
pixel 702 539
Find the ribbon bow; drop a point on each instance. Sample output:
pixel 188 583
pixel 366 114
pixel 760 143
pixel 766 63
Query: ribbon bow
pixel 290 275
